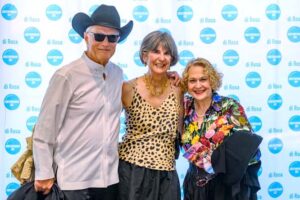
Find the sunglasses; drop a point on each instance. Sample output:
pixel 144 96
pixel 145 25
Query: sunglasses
pixel 99 37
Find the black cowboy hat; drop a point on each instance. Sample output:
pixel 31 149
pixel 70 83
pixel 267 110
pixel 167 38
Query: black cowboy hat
pixel 104 15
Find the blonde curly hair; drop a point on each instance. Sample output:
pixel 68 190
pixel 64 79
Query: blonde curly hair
pixel 215 77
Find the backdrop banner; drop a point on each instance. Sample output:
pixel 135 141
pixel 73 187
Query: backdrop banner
pixel 255 44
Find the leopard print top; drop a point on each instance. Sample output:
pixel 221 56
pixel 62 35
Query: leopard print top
pixel 150 133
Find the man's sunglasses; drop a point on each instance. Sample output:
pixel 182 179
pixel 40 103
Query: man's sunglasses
pixel 99 37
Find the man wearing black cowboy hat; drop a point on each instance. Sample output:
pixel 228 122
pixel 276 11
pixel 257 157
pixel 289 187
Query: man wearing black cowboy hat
pixel 76 136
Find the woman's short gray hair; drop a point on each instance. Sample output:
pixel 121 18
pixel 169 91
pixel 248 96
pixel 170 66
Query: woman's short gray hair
pixel 156 38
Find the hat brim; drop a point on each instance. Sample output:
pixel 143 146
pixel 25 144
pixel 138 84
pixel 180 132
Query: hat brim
pixel 82 21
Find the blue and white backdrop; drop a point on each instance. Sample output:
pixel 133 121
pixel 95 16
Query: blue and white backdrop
pixel 256 44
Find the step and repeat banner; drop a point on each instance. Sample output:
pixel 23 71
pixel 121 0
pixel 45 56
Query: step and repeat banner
pixel 255 44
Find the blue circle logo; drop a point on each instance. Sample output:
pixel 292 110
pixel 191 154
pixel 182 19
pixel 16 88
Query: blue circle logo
pixel 140 13
pixel 165 30
pixel 231 57
pixel 253 79
pixel 294 168
pixel 11 187
pixel 294 78
pixel 53 12
pixel 11 102
pixel 275 101
pixel 252 34
pixel 293 34
pixel 32 34
pixel 55 57
pixel 256 123
pixel 9 11
pixel 229 12
pixel 275 145
pixel 275 189
pixel 74 37
pixel 10 56
pixel 12 146
pixel 92 9
pixel 294 123
pixel 208 35
pixel 233 96
pixel 33 79
pixel 185 13
pixel 30 123
pixel 185 56
pixel 259 171
pixel 137 59
pixel 273 12
pixel 274 56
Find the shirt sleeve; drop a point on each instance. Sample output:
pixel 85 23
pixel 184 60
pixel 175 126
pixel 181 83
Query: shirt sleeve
pixel 51 117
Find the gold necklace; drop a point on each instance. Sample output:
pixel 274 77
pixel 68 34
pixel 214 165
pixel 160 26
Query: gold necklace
pixel 155 91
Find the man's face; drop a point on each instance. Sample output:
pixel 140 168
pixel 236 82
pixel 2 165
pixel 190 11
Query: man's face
pixel 101 51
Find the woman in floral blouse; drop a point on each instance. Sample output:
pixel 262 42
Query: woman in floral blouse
pixel 210 118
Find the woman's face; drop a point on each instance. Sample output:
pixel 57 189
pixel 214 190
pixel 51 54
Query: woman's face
pixel 198 84
pixel 158 60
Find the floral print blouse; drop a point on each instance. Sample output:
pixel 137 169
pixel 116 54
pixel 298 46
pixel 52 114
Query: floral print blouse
pixel 223 117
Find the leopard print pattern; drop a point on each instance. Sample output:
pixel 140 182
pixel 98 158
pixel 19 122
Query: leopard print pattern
pixel 150 133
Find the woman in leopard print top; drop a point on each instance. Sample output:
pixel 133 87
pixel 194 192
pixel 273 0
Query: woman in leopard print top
pixel 153 107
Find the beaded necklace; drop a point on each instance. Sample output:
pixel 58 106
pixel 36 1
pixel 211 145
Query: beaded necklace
pixel 155 91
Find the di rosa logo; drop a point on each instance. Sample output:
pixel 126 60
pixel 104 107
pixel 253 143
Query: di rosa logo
pixel 293 34
pixel 229 12
pixel 12 146
pixel 294 123
pixel 53 12
pixel 208 35
pixel 55 57
pixel 140 13
pixel 10 56
pixel 253 79
pixel 185 13
pixel 31 121
pixel 9 11
pixel 274 56
pixel 294 169
pixel 185 56
pixel 273 12
pixel 252 34
pixel 74 37
pixel 275 101
pixel 231 57
pixel 33 79
pixel 275 145
pixel 11 101
pixel 275 189
pixel 11 187
pixel 294 78
pixel 256 123
pixel 32 34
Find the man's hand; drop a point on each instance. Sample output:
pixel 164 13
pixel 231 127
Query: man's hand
pixel 175 78
pixel 43 186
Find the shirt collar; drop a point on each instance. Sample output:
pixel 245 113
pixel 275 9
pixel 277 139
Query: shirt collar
pixel 96 67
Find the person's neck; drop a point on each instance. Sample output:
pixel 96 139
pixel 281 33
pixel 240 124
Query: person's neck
pixel 202 106
pixel 100 62
pixel 157 79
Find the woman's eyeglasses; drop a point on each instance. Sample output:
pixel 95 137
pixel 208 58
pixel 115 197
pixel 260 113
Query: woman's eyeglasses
pixel 99 37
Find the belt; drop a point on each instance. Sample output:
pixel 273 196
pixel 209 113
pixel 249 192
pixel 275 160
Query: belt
pixel 201 182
